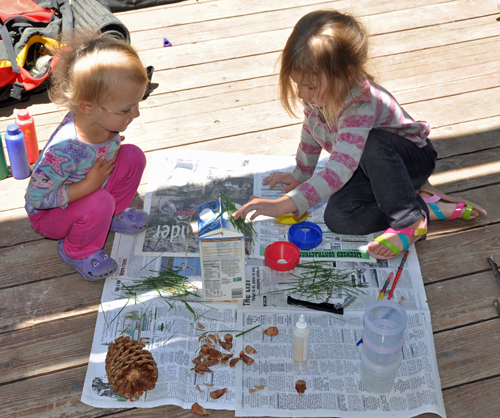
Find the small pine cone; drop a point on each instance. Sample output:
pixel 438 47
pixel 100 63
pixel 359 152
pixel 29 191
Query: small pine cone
pixel 131 369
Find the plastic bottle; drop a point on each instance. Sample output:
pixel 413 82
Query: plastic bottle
pixel 4 171
pixel 27 125
pixel 301 340
pixel 16 147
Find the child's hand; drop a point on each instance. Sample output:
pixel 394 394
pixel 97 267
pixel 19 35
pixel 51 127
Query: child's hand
pixel 99 172
pixel 285 178
pixel 94 179
pixel 274 208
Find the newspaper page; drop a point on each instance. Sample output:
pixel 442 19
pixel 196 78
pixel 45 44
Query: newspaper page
pixel 181 181
pixel 171 334
pixel 332 373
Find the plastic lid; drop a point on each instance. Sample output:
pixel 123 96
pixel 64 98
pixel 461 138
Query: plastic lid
pixel 13 129
pixel 290 218
pixel 305 235
pixel 282 256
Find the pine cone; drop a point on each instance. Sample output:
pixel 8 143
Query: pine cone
pixel 131 369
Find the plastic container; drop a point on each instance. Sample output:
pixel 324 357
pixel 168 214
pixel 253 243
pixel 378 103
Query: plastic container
pixel 378 379
pixel 4 171
pixel 382 356
pixel 385 323
pixel 290 219
pixel 16 147
pixel 27 125
pixel 305 235
pixel 282 256
pixel 301 340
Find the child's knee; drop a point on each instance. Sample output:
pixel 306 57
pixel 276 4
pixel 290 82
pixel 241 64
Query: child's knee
pixel 101 203
pixel 133 155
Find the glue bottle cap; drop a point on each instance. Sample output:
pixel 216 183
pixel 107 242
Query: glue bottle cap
pixel 301 323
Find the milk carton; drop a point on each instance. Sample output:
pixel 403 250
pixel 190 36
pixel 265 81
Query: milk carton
pixel 222 254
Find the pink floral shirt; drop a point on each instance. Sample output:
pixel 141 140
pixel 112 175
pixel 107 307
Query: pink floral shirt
pixel 368 107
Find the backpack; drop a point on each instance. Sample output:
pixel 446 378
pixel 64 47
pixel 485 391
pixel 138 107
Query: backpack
pixel 29 28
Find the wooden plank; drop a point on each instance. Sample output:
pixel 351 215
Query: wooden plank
pixel 478 399
pixel 469 170
pixel 40 253
pixel 53 395
pixel 49 300
pixel 460 253
pixel 15 228
pixel 21 355
pixel 389 16
pixel 468 354
pixel 462 301
pixel 58 395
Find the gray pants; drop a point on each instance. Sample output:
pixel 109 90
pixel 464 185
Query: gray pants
pixel 382 191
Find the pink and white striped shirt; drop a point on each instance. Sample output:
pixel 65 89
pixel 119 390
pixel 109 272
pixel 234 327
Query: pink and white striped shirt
pixel 368 107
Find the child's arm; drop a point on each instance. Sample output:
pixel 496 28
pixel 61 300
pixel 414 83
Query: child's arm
pixel 266 207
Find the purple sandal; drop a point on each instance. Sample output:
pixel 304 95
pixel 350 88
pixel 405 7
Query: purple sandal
pixel 97 266
pixel 131 221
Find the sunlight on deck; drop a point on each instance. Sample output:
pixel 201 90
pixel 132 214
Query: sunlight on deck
pixel 454 176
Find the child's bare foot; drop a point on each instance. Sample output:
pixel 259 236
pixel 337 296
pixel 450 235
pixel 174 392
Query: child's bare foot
pixel 446 208
pixel 390 243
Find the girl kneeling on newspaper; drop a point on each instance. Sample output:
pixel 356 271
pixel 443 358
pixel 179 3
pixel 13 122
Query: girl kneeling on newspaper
pixel 84 181
pixel 379 155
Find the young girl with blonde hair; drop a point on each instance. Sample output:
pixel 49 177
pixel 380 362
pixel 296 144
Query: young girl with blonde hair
pixel 379 155
pixel 85 179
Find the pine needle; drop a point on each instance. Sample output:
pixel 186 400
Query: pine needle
pixel 318 280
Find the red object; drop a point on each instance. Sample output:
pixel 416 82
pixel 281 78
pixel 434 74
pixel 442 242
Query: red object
pixel 27 125
pixel 398 274
pixel 282 256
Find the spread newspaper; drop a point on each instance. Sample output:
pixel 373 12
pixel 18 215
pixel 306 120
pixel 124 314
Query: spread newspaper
pixel 180 182
pixel 174 329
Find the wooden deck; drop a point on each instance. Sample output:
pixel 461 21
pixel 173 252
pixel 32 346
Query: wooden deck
pixel 217 91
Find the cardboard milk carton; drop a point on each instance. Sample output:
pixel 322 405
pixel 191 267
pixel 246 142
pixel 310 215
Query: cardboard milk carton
pixel 222 254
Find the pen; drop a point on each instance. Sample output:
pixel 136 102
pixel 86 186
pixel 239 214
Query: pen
pixel 384 288
pixel 398 274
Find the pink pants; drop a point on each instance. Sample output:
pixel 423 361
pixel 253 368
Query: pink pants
pixel 84 224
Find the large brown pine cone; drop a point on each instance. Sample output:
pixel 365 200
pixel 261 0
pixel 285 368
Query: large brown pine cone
pixel 131 369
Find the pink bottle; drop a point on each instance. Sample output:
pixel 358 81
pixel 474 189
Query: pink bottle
pixel 27 125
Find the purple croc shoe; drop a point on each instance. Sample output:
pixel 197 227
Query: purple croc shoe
pixel 131 221
pixel 95 267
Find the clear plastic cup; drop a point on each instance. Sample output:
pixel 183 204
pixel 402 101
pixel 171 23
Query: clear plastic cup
pixel 385 323
pixel 378 379
pixel 382 356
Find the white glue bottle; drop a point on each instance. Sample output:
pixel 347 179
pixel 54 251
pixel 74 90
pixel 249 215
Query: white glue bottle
pixel 300 340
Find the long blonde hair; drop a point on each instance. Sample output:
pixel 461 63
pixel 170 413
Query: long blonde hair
pixel 325 42
pixel 90 65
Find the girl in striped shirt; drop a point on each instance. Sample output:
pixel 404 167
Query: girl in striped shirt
pixel 380 157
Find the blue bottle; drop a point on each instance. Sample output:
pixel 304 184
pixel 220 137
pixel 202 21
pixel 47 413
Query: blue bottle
pixel 18 156
pixel 4 171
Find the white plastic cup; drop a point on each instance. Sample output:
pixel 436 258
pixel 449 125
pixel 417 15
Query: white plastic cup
pixel 378 379
pixel 385 323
